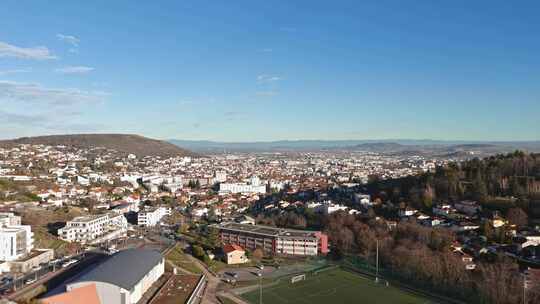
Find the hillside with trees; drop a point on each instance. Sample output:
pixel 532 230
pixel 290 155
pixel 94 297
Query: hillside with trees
pixel 124 143
pixel 499 182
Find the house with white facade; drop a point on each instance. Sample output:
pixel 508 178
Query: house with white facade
pixel 253 186
pixel 152 216
pixel 16 240
pixel 94 228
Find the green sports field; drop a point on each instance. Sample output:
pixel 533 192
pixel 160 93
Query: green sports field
pixel 333 286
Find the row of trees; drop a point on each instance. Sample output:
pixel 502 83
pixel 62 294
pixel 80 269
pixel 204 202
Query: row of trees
pixel 424 257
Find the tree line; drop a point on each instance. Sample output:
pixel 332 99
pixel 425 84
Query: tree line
pixel 500 181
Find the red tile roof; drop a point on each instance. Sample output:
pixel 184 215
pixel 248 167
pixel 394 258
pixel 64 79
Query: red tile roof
pixel 231 248
pixel 83 295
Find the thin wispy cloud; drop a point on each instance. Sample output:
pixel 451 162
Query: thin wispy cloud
pixel 35 93
pixel 49 123
pixel 14 71
pixel 20 119
pixel 35 53
pixel 196 101
pixel 74 70
pixel 268 78
pixel 266 93
pixel 267 50
pixel 74 41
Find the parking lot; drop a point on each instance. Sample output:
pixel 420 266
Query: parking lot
pixel 250 273
pixel 246 273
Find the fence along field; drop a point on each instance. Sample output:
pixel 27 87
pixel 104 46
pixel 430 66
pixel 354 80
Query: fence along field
pixel 333 285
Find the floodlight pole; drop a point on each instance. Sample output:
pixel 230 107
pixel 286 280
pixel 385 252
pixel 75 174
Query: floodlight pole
pixel 524 288
pixel 260 290
pixel 377 263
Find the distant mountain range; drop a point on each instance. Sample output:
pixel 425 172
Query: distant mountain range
pixel 125 143
pixel 143 146
pixel 382 146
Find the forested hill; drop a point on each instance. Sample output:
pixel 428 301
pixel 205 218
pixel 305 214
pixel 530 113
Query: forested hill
pixel 125 143
pixel 496 179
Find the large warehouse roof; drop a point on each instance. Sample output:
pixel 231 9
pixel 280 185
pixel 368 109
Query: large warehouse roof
pixel 125 268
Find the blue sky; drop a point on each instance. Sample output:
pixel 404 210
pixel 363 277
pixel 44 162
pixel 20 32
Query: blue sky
pixel 269 70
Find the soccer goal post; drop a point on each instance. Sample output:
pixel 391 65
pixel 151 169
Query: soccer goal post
pixel 298 278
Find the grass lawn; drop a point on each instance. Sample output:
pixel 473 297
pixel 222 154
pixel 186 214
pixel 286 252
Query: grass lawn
pixel 179 258
pixel 333 286
pixel 217 266
pixel 43 239
pixel 225 300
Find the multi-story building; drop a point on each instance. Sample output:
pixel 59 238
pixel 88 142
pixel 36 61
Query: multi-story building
pixel 15 242
pixel 88 229
pixel 152 216
pixel 220 177
pixel 9 219
pixel 254 186
pixel 126 207
pixel 273 240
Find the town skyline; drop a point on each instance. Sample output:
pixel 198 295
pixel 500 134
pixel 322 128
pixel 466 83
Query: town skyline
pixel 277 152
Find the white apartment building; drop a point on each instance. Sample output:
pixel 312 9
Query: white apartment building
pixel 152 216
pixel 363 199
pixel 86 229
pixel 326 207
pixel 331 208
pixel 16 240
pixel 9 219
pixel 254 186
pixel 220 177
pixel 172 183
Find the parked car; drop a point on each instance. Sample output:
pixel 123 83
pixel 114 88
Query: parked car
pixel 232 274
pixel 6 279
pixel 29 281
